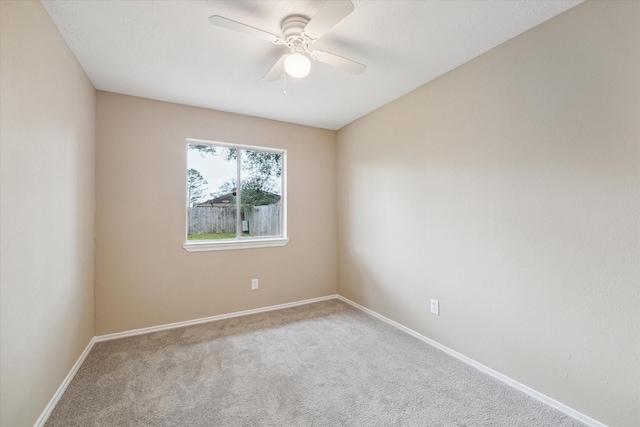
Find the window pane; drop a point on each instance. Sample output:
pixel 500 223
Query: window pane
pixel 211 181
pixel 261 196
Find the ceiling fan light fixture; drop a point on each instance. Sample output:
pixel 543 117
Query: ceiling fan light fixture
pixel 297 65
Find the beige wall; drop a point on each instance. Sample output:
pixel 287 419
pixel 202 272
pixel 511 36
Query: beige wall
pixel 143 275
pixel 48 204
pixel 508 189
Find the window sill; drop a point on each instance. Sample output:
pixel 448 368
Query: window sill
pixel 204 246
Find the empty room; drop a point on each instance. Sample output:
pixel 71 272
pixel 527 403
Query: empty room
pixel 320 213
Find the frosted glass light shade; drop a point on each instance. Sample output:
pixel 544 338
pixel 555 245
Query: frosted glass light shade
pixel 297 65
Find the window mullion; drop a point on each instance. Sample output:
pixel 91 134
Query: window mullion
pixel 238 195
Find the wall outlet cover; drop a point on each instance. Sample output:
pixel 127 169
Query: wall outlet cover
pixel 435 306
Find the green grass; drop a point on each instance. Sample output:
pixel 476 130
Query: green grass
pixel 211 236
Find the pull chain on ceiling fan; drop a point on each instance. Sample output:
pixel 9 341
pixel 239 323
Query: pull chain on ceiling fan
pixel 298 34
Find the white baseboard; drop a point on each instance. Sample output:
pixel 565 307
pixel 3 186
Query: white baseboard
pixel 209 319
pixel 505 379
pixel 60 391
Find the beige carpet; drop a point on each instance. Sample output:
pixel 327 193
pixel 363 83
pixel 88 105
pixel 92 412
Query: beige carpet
pixel 322 364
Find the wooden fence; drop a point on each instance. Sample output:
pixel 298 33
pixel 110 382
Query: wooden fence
pixel 261 221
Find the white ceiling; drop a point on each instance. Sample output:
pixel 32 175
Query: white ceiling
pixel 167 50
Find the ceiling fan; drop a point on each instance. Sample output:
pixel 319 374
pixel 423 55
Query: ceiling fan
pixel 298 34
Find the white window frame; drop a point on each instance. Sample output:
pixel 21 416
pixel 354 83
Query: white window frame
pixel 244 242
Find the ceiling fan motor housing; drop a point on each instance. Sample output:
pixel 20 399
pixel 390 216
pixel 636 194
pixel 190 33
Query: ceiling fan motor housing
pixel 292 28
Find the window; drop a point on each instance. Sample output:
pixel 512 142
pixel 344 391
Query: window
pixel 236 196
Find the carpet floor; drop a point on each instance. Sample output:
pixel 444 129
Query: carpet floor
pixel 321 364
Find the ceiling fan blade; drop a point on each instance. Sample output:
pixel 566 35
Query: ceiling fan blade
pixel 339 62
pixel 277 70
pixel 330 13
pixel 221 21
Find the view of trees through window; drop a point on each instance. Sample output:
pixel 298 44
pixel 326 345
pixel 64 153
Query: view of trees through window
pixel 219 208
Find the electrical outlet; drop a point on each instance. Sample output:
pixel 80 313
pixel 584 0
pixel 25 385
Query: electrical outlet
pixel 254 284
pixel 435 307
